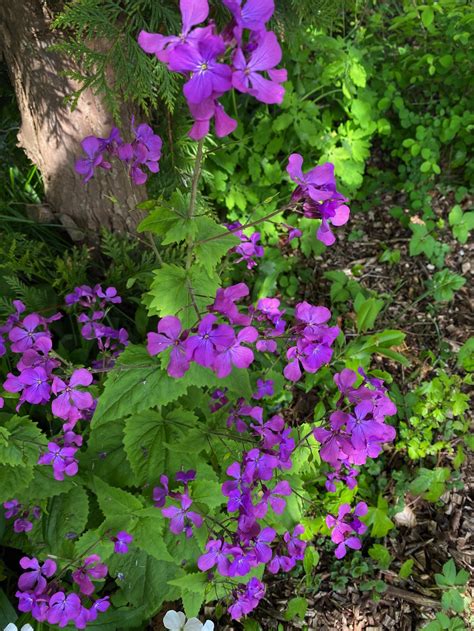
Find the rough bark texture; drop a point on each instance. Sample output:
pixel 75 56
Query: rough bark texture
pixel 50 133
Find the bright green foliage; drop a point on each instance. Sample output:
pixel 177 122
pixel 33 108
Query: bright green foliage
pixel 430 483
pixel 182 291
pixel 381 555
pixel 462 223
pixel 378 520
pixel 296 608
pixel 406 568
pixel 436 415
pixel 452 583
pixel 444 284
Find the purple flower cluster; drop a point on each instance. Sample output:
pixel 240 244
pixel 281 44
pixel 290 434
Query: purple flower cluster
pixel 318 193
pixel 181 518
pixel 22 514
pixel 345 528
pixel 144 150
pixel 248 249
pixel 355 433
pixel 93 303
pixel 47 601
pixel 220 347
pixel 313 344
pixel 244 56
pixel 250 492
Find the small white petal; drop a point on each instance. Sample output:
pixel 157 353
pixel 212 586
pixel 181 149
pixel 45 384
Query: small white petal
pixel 11 627
pixel 174 620
pixel 208 626
pixel 193 624
pixel 27 627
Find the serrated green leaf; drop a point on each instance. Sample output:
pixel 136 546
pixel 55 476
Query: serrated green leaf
pixel 65 520
pixel 115 502
pixel 378 519
pixel 210 252
pixel 194 582
pixel 145 441
pixel 143 579
pixel 148 536
pixel 21 442
pixel 137 383
pixel 14 480
pixel 177 291
pixel 296 608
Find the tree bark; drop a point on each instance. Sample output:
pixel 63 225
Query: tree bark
pixel 51 133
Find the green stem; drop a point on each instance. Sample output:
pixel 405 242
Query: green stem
pixel 289 206
pixel 196 176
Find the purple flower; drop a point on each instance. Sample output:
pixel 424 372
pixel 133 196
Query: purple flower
pixel 225 303
pixel 264 389
pixel 182 518
pixel 247 75
pixel 247 598
pixel 63 609
pixel 208 76
pixel 185 476
pixel 160 493
pixel 336 445
pixel 322 200
pixel 72 401
pixel 35 579
pixel 203 347
pixel 259 466
pixel 217 553
pixel 36 388
pixel 93 148
pixel 169 334
pixel 344 525
pixel 253 15
pixel 24 335
pixel 204 112
pixel 236 354
pixel 263 552
pixel 193 12
pixel 62 459
pixel 121 542
pixel 12 508
pixel 248 248
pixel 90 569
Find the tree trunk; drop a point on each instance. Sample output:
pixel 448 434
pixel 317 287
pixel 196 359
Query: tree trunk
pixel 51 133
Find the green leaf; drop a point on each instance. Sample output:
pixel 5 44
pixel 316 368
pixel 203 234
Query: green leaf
pixel 169 220
pixel 297 608
pixel 148 536
pixel 195 582
pixel 14 480
pixel 20 442
pixel 452 599
pixel 105 455
pixel 143 579
pixel 406 568
pixel 427 16
pixel 209 253
pixel 65 520
pixel 367 313
pixel 43 485
pixel 444 284
pixel 7 611
pixel 466 355
pixel 381 554
pixel 145 441
pixel 311 559
pixel 430 483
pixel 137 383
pixel 378 518
pixel 357 74
pixel 208 492
pixel 192 603
pixel 115 502
pixel 177 291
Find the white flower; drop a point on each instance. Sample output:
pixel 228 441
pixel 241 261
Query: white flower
pixel 176 621
pixel 13 627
